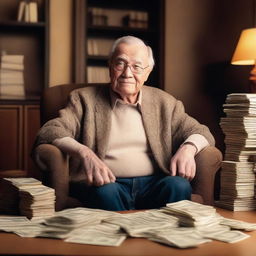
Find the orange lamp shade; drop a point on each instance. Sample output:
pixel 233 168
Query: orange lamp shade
pixel 245 52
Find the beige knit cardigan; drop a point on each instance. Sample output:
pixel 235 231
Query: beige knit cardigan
pixel 86 118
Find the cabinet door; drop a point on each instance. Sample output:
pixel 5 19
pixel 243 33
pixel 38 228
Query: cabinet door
pixel 31 127
pixel 10 137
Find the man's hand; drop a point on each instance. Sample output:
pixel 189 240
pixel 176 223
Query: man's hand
pixel 96 171
pixel 183 162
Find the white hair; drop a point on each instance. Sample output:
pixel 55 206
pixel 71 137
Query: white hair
pixel 132 40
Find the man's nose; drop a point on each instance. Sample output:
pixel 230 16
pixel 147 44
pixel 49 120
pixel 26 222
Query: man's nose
pixel 127 71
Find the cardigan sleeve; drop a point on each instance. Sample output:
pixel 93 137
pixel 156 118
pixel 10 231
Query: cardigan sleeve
pixel 68 124
pixel 184 126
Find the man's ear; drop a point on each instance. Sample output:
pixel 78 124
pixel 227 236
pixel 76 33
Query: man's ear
pixel 147 73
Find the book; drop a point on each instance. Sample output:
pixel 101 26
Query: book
pixel 99 46
pixel 33 12
pixel 28 11
pixel 26 18
pixel 12 76
pixel 12 66
pixel 12 90
pixel 17 59
pixel 97 74
pixel 21 11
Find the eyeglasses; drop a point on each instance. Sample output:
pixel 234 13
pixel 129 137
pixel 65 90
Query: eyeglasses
pixel 122 65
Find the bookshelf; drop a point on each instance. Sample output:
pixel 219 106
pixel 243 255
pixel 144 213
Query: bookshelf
pixel 99 21
pixel 28 39
pixel 20 116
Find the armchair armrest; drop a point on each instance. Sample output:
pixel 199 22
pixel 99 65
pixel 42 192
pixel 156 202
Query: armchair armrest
pixel 54 168
pixel 49 157
pixel 208 162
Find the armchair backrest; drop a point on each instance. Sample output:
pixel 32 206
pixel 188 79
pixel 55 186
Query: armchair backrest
pixel 55 98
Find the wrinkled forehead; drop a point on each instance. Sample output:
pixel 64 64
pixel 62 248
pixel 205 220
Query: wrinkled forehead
pixel 132 52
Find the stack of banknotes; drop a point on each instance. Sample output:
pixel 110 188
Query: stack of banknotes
pixel 237 172
pixel 28 196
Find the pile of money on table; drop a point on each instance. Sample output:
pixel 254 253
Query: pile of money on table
pixel 183 224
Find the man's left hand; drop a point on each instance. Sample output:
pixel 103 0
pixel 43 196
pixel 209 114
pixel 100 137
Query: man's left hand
pixel 183 162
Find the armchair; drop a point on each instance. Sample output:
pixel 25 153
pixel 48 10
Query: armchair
pixel 54 165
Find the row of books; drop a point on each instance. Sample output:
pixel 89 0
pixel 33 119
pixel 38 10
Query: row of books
pixel 136 20
pixel 98 17
pixel 12 76
pixel 99 46
pixel 118 18
pixel 238 171
pixel 97 74
pixel 28 11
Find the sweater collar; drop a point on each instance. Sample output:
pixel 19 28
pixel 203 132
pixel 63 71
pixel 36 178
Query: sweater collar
pixel 116 100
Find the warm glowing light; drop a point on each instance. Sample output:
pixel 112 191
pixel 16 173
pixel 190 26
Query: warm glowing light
pixel 245 52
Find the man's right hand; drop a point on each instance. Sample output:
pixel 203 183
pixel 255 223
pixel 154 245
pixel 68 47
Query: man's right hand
pixel 96 171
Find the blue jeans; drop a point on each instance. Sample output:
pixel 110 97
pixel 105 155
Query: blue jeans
pixel 144 192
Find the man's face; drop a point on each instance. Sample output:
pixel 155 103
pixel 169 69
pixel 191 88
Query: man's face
pixel 129 70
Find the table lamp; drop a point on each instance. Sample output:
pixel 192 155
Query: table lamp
pixel 245 53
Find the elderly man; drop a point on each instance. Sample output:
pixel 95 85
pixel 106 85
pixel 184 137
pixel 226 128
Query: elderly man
pixel 133 146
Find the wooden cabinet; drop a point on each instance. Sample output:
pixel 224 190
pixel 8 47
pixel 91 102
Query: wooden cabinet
pixel 99 22
pixel 31 117
pixel 18 128
pixel 11 137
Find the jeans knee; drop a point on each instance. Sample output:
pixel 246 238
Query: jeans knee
pixel 108 197
pixel 178 184
pixel 105 192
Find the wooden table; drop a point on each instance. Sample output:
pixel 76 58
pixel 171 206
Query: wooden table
pixel 11 244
